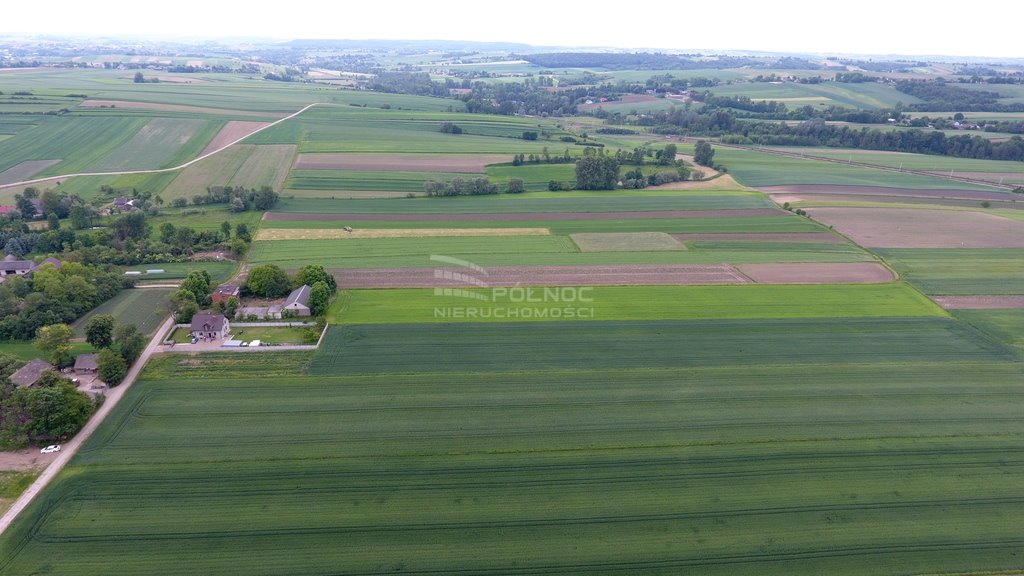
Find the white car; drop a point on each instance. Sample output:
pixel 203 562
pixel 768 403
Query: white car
pixel 50 449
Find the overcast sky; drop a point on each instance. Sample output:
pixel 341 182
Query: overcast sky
pixel 917 27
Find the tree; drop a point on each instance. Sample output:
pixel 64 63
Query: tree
pixel 129 342
pixel 242 232
pixel 319 297
pixel 667 154
pixel 132 225
pixel 265 198
pixel 53 221
pixel 530 135
pixel 597 173
pixel 237 205
pixel 55 342
pixel 198 283
pixel 139 78
pixel 515 186
pixel 53 411
pixel 112 367
pixel 25 205
pixel 99 331
pixel 268 281
pixel 704 154
pixel 225 229
pixel 232 307
pixel 313 273
pixel 81 217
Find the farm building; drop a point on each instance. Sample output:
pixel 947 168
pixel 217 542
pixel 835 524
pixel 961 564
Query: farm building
pixel 210 326
pixel 297 303
pixel 13 266
pixel 224 292
pixel 29 374
pixel 87 364
pixel 124 204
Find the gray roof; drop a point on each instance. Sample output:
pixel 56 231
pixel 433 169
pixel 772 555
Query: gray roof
pixel 208 322
pixel 12 263
pixel 298 296
pixel 51 260
pixel 87 362
pixel 29 374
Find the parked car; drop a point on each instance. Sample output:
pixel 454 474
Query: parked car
pixel 50 449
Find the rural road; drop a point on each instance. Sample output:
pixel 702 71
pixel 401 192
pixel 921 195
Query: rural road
pixel 162 170
pixel 69 449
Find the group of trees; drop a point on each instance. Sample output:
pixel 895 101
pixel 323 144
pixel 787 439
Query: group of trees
pixel 597 172
pixel 238 198
pixel 941 95
pixel 545 157
pixel 119 346
pixel 462 187
pixel 53 296
pixel 818 133
pixel 52 410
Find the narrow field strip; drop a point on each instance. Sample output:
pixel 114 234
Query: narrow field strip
pixel 980 302
pixel 498 216
pixel 341 234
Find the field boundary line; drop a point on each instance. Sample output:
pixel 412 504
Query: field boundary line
pixel 69 449
pixel 173 168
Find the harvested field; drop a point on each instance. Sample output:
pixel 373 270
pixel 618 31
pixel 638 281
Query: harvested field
pixel 469 163
pixel 979 302
pixel 626 241
pixel 626 99
pixel 818 273
pixel 813 200
pixel 723 182
pixel 796 237
pixel 172 108
pixel 621 275
pixel 266 165
pixel 25 170
pixel 232 131
pixel 839 190
pixel 742 212
pixel 913 228
pixel 338 233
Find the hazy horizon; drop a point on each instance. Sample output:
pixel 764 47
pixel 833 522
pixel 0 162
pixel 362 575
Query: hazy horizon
pixel 789 26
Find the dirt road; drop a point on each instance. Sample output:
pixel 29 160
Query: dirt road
pixel 68 450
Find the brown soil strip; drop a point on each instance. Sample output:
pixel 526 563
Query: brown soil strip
pixel 513 216
pixel 979 302
pixel 818 273
pixel 174 108
pixel 923 228
pixel 809 237
pixel 340 234
pixel 25 459
pixel 882 191
pixel 723 182
pixel 469 163
pixel 232 131
pixel 25 170
pixel 622 275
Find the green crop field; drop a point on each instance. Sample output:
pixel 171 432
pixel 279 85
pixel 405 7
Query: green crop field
pixel 763 169
pixel 721 447
pixel 161 143
pixel 866 95
pixel 79 143
pixel 925 162
pixel 643 303
pixel 960 271
pixel 145 308
pixel 26 350
pixel 1005 324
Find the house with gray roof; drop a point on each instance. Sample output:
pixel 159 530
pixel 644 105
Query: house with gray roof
pixel 297 303
pixel 210 326
pixel 28 375
pixel 14 266
pixel 87 363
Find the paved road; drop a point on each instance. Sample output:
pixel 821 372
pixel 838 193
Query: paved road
pixel 68 450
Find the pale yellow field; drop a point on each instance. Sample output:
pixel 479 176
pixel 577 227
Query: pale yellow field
pixel 338 233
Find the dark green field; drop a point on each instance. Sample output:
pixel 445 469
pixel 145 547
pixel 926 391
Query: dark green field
pixel 730 447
